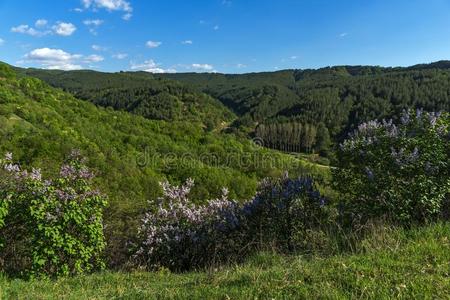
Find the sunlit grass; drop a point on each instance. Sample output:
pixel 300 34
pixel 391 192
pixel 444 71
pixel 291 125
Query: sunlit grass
pixel 406 264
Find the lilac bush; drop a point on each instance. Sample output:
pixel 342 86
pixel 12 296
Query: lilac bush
pixel 50 227
pixel 282 210
pixel 181 235
pixel 399 171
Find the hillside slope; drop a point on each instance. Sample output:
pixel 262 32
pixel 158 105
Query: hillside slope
pixel 340 97
pixel 130 154
pixel 290 109
pixel 160 99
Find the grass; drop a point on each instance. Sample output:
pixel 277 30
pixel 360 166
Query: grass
pixel 404 264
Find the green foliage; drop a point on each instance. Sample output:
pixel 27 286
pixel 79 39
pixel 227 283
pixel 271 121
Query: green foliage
pixel 401 172
pixel 142 95
pixel 340 97
pixel 291 136
pixel 131 154
pixel 50 227
pixel 6 71
pixel 323 140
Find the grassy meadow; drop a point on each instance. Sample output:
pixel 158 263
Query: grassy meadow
pixel 389 263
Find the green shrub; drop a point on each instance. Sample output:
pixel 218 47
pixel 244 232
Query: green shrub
pixel 50 227
pixel 6 71
pixel 401 172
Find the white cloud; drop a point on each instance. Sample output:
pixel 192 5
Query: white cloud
pixel 120 56
pixel 78 9
pixel 98 48
pixel 54 59
pixel 120 5
pixel 41 23
pixel 2 41
pixel 293 57
pixel 64 29
pixel 344 34
pixel 153 44
pixel 95 22
pixel 187 42
pixel 216 27
pixel 240 66
pixel 127 16
pixel 59 59
pixel 204 67
pixel 94 58
pixel 151 66
pixel 25 29
pixel 60 28
pixel 110 5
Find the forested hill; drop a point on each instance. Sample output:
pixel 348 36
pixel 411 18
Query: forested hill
pixel 294 110
pixel 158 99
pixel 340 96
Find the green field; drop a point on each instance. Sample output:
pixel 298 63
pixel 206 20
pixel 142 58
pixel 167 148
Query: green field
pixel 390 263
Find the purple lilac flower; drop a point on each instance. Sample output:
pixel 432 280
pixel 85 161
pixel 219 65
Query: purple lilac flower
pixel 35 174
pixel 419 113
pixel 67 171
pixel 406 117
pixel 84 173
pixel 8 156
pixel 13 168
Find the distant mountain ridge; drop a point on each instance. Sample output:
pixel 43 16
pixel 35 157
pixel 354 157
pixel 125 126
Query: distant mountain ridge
pixel 335 98
pixel 157 99
pixel 340 97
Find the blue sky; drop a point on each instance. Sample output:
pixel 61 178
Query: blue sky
pixel 229 36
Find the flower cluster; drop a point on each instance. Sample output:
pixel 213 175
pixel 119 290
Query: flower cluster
pixel 399 170
pixel 403 158
pixel 180 234
pixel 175 234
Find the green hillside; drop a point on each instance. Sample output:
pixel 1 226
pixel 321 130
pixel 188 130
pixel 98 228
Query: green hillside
pixel 340 96
pixel 289 110
pixel 131 154
pixel 158 99
pixel 299 109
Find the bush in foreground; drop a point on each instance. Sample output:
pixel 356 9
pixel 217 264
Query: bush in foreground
pixel 181 235
pixel 50 227
pixel 401 172
pixel 283 212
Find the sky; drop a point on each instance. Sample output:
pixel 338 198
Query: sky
pixel 226 36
